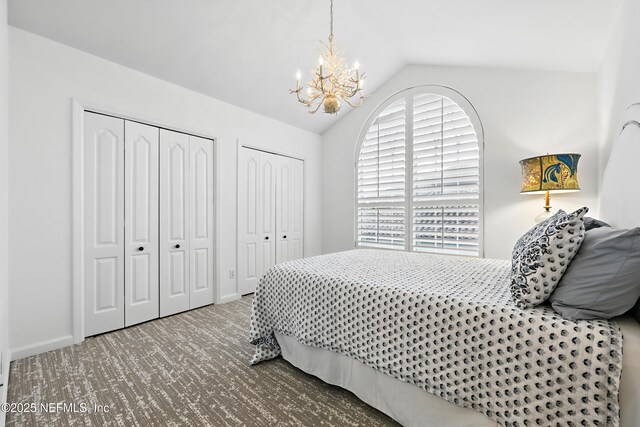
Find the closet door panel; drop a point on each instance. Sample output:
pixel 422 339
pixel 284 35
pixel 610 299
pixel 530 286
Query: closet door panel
pixel 283 208
pixel 249 263
pixel 104 223
pixel 141 223
pixel 201 269
pixel 174 222
pixel 267 211
pixel 295 234
pixel 256 216
pixel 290 209
pixel 201 227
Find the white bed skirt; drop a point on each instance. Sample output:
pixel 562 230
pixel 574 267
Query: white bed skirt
pixel 414 407
pixel 404 402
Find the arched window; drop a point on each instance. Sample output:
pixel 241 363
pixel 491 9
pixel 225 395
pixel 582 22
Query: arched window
pixel 419 177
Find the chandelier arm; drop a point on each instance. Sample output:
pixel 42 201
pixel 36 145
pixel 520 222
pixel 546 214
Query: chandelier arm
pixel 349 103
pixel 355 81
pixel 348 91
pixel 317 107
pixel 314 99
pixel 318 89
pixel 354 104
pixel 337 83
pixel 355 92
pixel 346 85
pixel 300 99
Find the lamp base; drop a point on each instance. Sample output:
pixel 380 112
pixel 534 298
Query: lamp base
pixel 547 209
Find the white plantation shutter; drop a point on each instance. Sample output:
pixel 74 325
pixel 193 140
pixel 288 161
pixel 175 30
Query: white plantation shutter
pixel 381 181
pixel 446 178
pixel 441 200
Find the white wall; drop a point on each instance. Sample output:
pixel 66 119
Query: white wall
pixel 525 113
pixel 44 77
pixel 619 79
pixel 4 192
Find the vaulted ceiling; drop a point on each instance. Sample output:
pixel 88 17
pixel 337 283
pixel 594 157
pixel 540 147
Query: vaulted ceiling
pixel 246 52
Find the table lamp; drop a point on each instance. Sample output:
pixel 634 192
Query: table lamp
pixel 551 173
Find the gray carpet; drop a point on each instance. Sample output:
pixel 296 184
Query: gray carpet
pixel 188 369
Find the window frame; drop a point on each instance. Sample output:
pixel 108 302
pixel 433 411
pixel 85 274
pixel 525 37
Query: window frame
pixel 408 95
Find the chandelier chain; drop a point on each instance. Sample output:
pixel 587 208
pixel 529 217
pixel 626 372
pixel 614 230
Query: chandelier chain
pixel 331 27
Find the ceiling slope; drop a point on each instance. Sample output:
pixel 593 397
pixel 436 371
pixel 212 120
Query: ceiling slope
pixel 246 52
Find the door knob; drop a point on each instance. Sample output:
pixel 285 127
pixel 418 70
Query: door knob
pixel 141 248
pixel 284 237
pixel 266 238
pixel 177 246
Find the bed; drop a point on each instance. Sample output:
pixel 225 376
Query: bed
pixel 437 341
pixel 411 406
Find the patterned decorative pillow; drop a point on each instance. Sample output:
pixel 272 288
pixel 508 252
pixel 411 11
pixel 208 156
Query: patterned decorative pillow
pixel 527 237
pixel 544 256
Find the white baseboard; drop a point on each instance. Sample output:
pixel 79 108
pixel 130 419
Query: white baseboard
pixel 5 384
pixel 229 298
pixel 41 347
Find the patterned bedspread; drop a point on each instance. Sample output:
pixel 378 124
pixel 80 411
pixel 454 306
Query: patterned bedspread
pixel 449 326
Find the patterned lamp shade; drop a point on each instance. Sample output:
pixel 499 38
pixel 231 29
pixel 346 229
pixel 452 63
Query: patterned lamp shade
pixel 553 172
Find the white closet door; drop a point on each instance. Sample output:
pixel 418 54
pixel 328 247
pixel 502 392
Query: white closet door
pixel 296 209
pixel 201 244
pixel 256 216
pixel 267 210
pixel 283 208
pixel 174 222
pixel 249 221
pixel 104 223
pixel 289 209
pixel 141 223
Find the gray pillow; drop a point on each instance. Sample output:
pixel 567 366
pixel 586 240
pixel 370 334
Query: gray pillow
pixel 603 280
pixel 591 223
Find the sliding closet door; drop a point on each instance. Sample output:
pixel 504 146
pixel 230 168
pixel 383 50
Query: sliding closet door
pixel 289 209
pixel 141 223
pixel 256 216
pixel 201 244
pixel 104 223
pixel 174 222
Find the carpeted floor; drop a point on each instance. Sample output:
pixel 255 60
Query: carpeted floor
pixel 188 369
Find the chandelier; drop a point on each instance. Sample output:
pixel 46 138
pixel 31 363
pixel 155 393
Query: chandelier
pixel 333 81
